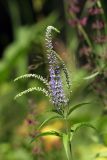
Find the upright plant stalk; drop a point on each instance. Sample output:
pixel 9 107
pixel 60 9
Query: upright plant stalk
pixel 58 96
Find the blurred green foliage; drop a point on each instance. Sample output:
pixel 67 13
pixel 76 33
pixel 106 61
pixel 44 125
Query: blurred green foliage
pixel 14 132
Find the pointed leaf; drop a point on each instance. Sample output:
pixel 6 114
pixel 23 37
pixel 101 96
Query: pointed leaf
pixel 48 133
pixel 80 125
pixel 47 120
pixel 76 106
pixel 85 125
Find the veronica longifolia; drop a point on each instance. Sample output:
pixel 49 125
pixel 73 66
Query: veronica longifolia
pixel 54 89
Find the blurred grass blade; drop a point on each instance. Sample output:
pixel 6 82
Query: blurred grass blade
pixel 92 76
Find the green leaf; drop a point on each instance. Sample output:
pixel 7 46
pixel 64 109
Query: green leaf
pixel 101 155
pixel 77 106
pixel 47 120
pixel 48 133
pixel 86 125
pixel 22 44
pixel 80 125
pixel 66 144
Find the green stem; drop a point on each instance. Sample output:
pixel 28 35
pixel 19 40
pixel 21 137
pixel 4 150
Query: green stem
pixel 69 142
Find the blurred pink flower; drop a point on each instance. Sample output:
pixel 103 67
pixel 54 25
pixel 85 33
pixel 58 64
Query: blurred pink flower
pixel 98 24
pixel 95 11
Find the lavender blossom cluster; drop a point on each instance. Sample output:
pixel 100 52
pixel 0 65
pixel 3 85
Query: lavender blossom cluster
pixel 55 83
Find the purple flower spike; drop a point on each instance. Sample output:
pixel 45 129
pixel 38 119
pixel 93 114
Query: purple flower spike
pixel 55 82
